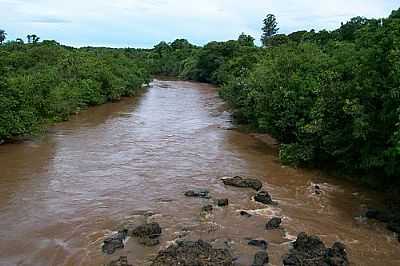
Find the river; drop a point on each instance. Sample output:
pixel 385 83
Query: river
pixel 62 193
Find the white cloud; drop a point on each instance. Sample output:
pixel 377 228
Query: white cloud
pixel 141 22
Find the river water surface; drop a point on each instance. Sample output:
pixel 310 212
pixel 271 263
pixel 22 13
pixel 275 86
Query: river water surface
pixel 61 194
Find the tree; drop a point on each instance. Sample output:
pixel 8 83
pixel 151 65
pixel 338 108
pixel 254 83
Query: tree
pixel 29 38
pixel 35 38
pixel 180 44
pixel 3 35
pixel 246 40
pixel 269 29
pixel 19 40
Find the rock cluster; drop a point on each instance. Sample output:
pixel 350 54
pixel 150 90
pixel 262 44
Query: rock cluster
pixel 148 234
pixel 189 253
pixel 311 251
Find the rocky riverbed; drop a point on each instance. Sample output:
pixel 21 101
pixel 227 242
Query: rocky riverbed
pixel 305 250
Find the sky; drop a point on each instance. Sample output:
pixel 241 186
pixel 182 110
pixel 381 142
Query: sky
pixel 144 23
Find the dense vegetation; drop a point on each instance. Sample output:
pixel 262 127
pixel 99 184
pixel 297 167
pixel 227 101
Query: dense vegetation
pixel 45 82
pixel 330 98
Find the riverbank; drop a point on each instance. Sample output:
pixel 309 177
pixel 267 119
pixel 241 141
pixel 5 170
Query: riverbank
pixel 46 82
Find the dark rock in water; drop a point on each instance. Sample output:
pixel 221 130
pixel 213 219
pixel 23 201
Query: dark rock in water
pixel 311 251
pixel 337 255
pixel 147 241
pixel 190 253
pixel 381 216
pixel 122 261
pixel 200 193
pixel 148 230
pixel 260 259
pixel 274 223
pixel 114 242
pixel 244 213
pixel 238 181
pixel 207 208
pixel 259 243
pixel 390 214
pixel 222 202
pixel 394 226
pixel 263 197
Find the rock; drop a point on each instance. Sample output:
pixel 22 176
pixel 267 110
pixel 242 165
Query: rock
pixel 188 253
pixel 311 251
pixel 317 190
pixel 244 213
pixel 200 193
pixel 222 202
pixel 378 215
pixel 337 255
pixel 147 230
pixel 122 261
pixel 207 208
pixel 263 197
pixel 394 226
pixel 149 242
pixel 238 181
pixel 259 243
pixel 114 242
pixel 260 259
pixel 274 223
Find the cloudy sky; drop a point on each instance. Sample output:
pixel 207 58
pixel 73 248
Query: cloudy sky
pixel 143 23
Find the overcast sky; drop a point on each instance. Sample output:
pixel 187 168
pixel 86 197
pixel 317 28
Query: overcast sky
pixel 143 23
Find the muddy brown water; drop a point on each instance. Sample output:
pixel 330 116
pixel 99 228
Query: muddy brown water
pixel 61 194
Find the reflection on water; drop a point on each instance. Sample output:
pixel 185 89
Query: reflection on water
pixel 61 194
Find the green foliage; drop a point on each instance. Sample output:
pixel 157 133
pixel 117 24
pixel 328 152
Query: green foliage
pixel 270 28
pixel 3 36
pixel 330 98
pixel 48 82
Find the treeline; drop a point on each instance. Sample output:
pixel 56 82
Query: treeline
pixel 45 82
pixel 331 98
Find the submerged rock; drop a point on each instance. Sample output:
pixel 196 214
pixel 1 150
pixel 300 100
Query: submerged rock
pixel 149 242
pixel 222 202
pixel 147 233
pixel 114 242
pixel 150 230
pixel 241 182
pixel 207 208
pixel 199 193
pixel 244 213
pixel 258 243
pixel 122 261
pixel 274 223
pixel 391 217
pixel 260 259
pixel 263 197
pixel 311 251
pixel 189 253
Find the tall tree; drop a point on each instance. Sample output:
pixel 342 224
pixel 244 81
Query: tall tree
pixel 29 38
pixel 269 29
pixel 3 35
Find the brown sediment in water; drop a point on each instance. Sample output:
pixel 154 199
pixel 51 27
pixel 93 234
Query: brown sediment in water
pixel 62 194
